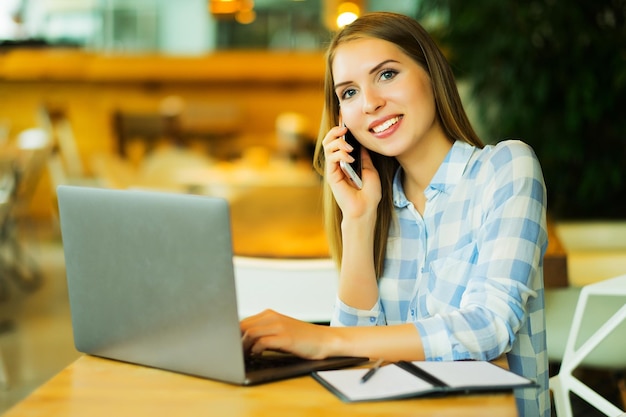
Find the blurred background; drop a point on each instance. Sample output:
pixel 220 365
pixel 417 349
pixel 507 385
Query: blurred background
pixel 224 98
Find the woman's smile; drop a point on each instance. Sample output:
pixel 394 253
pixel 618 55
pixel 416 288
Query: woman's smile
pixel 386 127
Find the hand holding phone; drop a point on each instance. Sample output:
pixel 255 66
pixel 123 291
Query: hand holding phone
pixel 353 169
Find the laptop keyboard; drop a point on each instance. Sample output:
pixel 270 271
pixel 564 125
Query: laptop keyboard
pixel 258 362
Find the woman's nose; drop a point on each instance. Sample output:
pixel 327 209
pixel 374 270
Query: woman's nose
pixel 372 101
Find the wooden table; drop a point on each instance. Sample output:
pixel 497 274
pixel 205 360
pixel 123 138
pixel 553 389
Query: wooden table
pixel 98 387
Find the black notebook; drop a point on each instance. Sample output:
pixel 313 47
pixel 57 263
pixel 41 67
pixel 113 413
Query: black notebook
pixel 417 379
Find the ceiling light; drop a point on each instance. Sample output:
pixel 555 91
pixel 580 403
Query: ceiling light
pixel 347 12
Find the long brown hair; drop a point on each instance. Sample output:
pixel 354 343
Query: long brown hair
pixel 408 35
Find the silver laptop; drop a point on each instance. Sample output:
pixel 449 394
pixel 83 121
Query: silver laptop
pixel 150 280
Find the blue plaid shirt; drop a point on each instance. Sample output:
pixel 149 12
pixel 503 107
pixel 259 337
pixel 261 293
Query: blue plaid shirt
pixel 469 272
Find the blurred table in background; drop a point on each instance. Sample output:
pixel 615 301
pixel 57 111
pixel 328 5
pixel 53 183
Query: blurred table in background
pixel 276 209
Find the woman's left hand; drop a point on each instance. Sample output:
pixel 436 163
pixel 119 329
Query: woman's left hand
pixel 270 330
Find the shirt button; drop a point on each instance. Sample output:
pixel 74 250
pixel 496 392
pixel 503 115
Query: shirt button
pixel 372 319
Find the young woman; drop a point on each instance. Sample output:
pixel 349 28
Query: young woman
pixel 440 252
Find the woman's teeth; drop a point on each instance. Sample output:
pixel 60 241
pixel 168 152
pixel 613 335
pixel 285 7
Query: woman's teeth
pixel 384 126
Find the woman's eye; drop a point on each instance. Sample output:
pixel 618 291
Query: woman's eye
pixel 388 74
pixel 348 93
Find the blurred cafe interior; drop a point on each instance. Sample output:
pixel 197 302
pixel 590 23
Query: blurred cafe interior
pixel 218 98
pixel 211 97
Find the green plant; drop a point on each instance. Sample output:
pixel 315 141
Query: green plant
pixel 552 73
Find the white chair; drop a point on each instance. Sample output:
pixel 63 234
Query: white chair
pixel 300 288
pixel 596 338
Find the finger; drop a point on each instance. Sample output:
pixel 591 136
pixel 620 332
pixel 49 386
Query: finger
pixel 333 134
pixel 254 327
pixel 258 318
pixel 338 150
pixel 252 338
pixel 269 336
pixel 261 324
pixel 247 344
pixel 275 343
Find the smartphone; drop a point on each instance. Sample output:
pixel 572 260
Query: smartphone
pixel 353 169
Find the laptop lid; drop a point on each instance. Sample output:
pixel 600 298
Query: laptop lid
pixel 150 281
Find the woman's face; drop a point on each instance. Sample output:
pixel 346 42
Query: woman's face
pixel 385 97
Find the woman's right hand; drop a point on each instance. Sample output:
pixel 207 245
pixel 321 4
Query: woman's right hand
pixel 354 203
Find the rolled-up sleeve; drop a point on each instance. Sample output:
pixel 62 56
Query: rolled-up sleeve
pixel 344 315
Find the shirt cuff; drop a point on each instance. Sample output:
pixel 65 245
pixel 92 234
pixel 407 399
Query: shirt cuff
pixel 435 341
pixel 344 315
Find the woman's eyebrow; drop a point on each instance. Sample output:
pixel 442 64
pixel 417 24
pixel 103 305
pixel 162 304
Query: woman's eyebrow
pixel 373 70
pixel 382 64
